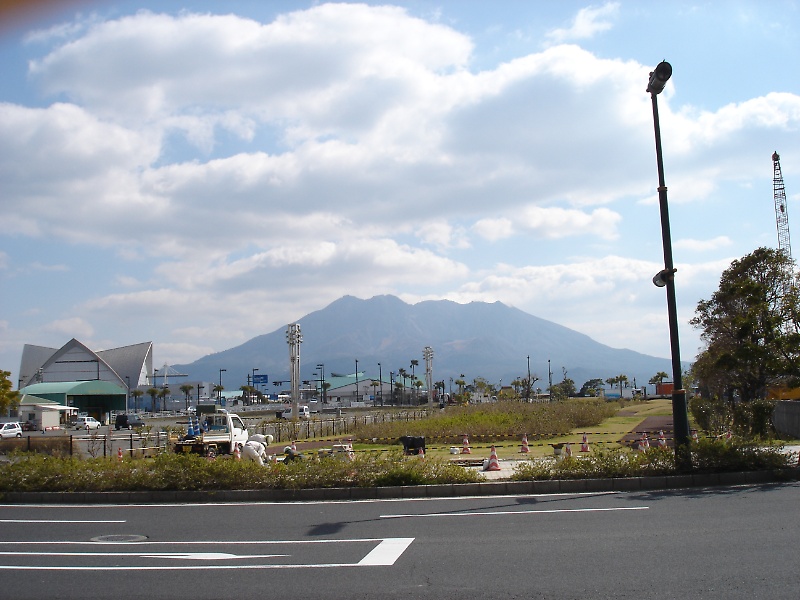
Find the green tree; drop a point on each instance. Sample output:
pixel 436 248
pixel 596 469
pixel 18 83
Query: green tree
pixel 591 387
pixel 751 329
pixel 658 378
pixel 153 393
pixel 187 390
pixel 8 397
pixel 162 395
pixel 136 395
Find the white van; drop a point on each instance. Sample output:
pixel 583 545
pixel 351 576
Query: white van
pixel 303 412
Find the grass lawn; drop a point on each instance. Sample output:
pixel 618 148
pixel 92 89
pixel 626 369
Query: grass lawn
pixel 610 431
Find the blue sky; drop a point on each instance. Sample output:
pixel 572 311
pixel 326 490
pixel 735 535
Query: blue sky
pixel 199 173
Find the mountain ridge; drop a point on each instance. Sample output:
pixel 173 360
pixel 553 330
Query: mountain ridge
pixel 477 339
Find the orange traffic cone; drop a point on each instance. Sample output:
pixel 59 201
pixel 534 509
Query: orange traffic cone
pixel 465 445
pixel 567 450
pixel 644 443
pixel 525 448
pixel 728 436
pixel 494 464
pixel 119 454
pixel 584 444
pixel 694 435
pixel 662 441
pixel 294 447
pixel 237 453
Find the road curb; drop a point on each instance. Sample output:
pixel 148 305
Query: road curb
pixel 489 488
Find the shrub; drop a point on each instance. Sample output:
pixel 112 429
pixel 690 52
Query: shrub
pixel 30 472
pixel 707 455
pixel 496 420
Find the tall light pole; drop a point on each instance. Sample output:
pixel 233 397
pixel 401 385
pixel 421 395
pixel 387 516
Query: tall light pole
pixel 356 380
pixel 666 278
pixel 219 394
pixel 254 382
pixel 294 338
pixel 321 368
pixel 427 354
pixel 380 379
pixel 528 386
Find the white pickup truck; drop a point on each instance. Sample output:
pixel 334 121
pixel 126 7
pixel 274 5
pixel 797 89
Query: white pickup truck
pixel 219 433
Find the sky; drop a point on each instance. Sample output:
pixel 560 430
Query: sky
pixel 199 173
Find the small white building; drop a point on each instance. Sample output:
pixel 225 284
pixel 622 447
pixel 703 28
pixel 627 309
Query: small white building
pixel 44 414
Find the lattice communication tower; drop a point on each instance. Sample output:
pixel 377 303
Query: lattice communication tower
pixel 781 210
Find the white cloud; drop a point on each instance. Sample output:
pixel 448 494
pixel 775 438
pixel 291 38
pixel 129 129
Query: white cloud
pixel 716 243
pixel 76 327
pixel 588 22
pixel 247 173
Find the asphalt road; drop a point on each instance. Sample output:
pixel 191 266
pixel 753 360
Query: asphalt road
pixel 703 543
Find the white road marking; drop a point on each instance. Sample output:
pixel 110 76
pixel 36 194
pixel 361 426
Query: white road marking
pixel 172 555
pixel 59 521
pixel 512 512
pixel 385 553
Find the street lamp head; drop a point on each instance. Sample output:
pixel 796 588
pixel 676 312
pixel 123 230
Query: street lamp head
pixel 660 279
pixel 659 77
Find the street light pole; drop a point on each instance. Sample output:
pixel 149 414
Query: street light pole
pixel 380 379
pixel 528 386
pixel 254 383
pixel 666 278
pixel 356 380
pixel 219 394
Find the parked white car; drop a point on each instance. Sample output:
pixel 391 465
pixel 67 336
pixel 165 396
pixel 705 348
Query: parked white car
pixel 303 412
pixel 13 429
pixel 87 423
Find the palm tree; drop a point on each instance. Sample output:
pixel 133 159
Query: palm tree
pixel 439 387
pixel 658 378
pixel 414 363
pixel 152 392
pixel 162 395
pixel 187 389
pixel 404 374
pixel 136 395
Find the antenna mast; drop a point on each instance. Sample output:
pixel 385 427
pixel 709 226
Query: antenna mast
pixel 781 211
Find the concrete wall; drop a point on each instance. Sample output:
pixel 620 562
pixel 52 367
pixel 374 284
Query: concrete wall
pixel 786 417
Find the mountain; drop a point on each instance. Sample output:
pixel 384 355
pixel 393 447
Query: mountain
pixel 479 339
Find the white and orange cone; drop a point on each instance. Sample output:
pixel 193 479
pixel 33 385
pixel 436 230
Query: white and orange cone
pixel 294 447
pixel 662 441
pixel 119 454
pixel 493 464
pixel 694 435
pixel 567 450
pixel 525 449
pixel 465 449
pixel 644 443
pixel 237 453
pixel 584 444
pixel 728 436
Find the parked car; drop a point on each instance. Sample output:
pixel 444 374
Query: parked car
pixel 303 412
pixel 12 429
pixel 87 423
pixel 124 421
